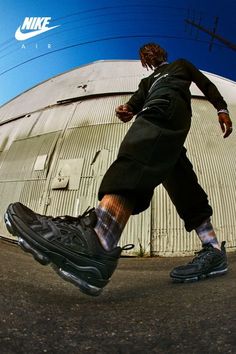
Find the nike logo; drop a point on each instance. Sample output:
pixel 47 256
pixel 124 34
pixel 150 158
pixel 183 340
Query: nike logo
pixel 35 26
pixel 20 36
pixel 6 219
pixel 157 80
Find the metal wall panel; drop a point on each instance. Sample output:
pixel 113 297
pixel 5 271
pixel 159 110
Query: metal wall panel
pixel 18 180
pixel 214 160
pixel 29 193
pixel 53 119
pixel 32 194
pixel 62 202
pixel 85 142
pixel 97 111
pixel 20 158
pixel 18 129
pixel 2 157
pixel 9 192
pixel 91 144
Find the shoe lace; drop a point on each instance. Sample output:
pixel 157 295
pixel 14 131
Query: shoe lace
pixel 69 220
pixel 75 221
pixel 202 255
pixel 127 247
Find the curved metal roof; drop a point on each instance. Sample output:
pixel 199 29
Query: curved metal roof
pixel 101 77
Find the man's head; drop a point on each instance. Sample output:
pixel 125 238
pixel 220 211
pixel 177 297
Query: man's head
pixel 152 55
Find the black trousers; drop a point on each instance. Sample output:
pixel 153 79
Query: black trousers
pixel 152 153
pixel 187 195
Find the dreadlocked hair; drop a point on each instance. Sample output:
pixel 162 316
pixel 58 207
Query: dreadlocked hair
pixel 155 50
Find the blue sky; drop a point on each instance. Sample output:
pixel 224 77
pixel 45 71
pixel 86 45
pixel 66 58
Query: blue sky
pixel 97 30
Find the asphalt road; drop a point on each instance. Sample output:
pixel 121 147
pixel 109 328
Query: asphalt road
pixel 140 311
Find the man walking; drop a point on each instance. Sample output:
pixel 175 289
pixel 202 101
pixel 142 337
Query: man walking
pixel 84 250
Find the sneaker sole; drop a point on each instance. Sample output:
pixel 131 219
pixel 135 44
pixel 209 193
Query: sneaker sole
pixel 66 269
pixel 212 274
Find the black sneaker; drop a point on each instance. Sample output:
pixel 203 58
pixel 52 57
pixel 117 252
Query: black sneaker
pixel 69 243
pixel 208 262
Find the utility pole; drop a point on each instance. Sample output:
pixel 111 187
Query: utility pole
pixel 213 35
pixel 214 31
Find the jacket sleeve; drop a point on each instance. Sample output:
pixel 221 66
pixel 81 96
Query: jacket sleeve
pixel 137 100
pixel 206 86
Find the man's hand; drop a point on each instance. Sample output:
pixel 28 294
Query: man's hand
pixel 124 113
pixel 225 123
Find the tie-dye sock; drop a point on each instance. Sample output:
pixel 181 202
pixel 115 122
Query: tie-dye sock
pixel 207 234
pixel 113 213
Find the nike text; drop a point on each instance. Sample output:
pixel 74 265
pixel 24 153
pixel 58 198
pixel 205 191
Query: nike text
pixel 34 27
pixel 34 23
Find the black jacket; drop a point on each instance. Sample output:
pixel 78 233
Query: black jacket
pixel 175 78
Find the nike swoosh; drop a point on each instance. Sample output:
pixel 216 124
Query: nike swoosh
pixel 23 36
pixel 157 80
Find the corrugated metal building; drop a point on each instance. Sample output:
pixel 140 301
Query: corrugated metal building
pixel 58 139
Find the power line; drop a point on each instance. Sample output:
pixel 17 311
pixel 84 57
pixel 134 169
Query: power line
pixel 213 35
pixel 214 31
pixel 88 42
